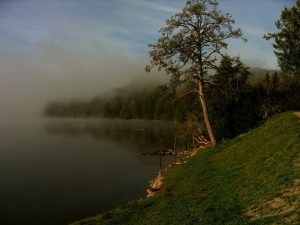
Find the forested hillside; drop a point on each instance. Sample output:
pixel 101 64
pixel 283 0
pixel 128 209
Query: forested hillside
pixel 236 103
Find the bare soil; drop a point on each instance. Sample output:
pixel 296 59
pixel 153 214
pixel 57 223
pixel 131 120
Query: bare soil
pixel 285 204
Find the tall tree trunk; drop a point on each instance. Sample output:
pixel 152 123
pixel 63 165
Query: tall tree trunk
pixel 205 114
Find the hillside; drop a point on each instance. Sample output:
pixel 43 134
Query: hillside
pixel 251 179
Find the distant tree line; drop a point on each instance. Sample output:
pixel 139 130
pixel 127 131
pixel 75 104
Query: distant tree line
pixel 154 104
pixel 236 103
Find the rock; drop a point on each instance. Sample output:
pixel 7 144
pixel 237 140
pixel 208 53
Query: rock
pixel 150 193
pixel 194 152
pixel 168 167
pixel 156 185
pixel 180 162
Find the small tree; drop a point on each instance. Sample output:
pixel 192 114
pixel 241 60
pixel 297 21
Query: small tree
pixel 189 46
pixel 287 40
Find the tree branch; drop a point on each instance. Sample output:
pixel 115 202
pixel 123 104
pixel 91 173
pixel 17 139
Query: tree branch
pixel 181 96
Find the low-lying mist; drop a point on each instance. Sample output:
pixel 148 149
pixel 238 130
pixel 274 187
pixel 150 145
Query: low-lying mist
pixel 29 80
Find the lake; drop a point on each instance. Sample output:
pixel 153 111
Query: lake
pixel 56 171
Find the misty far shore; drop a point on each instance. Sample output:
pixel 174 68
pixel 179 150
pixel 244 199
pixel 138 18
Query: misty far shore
pixel 151 101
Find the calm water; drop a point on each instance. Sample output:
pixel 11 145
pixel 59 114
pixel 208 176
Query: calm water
pixel 55 171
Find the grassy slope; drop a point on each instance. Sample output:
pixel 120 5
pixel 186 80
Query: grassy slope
pixel 219 185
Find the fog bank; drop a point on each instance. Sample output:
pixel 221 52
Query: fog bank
pixel 29 80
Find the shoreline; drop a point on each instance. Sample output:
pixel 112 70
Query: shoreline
pixel 156 186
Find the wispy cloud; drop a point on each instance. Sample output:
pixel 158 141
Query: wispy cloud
pixel 151 5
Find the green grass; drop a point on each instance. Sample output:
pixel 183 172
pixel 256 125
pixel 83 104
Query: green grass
pixel 219 185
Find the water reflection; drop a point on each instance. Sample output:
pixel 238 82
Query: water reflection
pixel 119 130
pixel 148 136
pixel 55 171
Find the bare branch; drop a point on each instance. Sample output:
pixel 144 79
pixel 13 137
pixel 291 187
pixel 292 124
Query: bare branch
pixel 187 93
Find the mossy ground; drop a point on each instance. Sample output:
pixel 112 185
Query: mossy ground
pixel 251 179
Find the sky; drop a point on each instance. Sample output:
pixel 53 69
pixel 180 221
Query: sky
pixel 64 49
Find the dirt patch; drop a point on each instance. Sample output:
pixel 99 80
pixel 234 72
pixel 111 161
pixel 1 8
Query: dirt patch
pixel 276 207
pixel 286 204
pixel 297 114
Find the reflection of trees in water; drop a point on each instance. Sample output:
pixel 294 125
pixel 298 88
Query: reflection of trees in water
pixel 148 135
pixel 161 161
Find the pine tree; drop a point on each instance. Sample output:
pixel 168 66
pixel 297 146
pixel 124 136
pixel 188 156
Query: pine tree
pixel 189 46
pixel 287 40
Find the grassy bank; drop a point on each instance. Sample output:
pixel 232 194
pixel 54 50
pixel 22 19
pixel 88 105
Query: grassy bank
pixel 251 179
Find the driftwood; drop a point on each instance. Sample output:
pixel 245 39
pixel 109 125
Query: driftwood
pixel 201 141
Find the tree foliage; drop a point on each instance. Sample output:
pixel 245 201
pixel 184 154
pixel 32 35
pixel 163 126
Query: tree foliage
pixel 233 101
pixel 189 46
pixel 153 104
pixel 287 40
